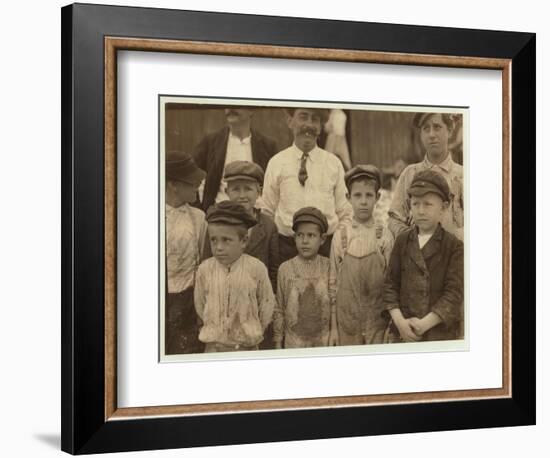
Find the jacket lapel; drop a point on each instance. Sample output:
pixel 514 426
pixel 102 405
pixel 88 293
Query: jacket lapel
pixel 434 244
pixel 259 153
pixel 413 249
pixel 257 235
pixel 215 168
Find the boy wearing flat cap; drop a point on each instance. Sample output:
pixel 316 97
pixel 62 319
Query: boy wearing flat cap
pixel 233 294
pixel 244 186
pixel 302 313
pixel 304 175
pixel 185 235
pixel 435 131
pixel 424 287
pixel 359 256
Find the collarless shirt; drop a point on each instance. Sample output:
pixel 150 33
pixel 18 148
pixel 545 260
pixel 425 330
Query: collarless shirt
pixel 324 188
pixel 185 233
pixel 235 302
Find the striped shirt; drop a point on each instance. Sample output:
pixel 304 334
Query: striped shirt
pixel 234 302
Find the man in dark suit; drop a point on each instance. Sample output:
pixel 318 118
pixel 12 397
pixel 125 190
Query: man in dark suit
pixel 236 142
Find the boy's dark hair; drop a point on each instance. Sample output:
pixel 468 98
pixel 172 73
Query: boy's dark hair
pixel 364 178
pixel 242 230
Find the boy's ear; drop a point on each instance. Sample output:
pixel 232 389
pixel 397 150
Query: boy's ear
pixel 446 205
pixel 244 239
pixel 377 195
pixel 324 237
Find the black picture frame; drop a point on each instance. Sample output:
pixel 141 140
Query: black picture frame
pixel 84 426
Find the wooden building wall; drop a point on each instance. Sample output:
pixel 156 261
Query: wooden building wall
pixel 375 137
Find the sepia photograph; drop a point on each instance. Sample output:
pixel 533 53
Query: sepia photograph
pixel 292 225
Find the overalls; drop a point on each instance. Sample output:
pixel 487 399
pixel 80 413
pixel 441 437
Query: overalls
pixel 359 297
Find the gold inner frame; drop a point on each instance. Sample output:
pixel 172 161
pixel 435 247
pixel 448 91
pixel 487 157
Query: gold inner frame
pixel 114 44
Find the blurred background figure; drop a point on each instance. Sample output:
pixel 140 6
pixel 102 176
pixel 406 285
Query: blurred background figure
pixel 336 141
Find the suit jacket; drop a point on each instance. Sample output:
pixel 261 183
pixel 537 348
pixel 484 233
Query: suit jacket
pixel 431 279
pixel 263 244
pixel 210 155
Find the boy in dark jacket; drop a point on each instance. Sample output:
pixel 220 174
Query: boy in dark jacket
pixel 424 286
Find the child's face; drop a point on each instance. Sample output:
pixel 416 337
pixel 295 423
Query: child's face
pixel 363 197
pixel 308 239
pixel 227 242
pixel 244 192
pixel 181 192
pixel 427 211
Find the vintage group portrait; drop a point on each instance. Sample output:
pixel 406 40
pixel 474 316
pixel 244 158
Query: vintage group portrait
pixel 289 225
pixel 308 228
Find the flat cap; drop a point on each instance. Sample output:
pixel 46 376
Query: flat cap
pixel 243 170
pixel 182 167
pixel 231 213
pixel 310 215
pixel 367 170
pixel 427 181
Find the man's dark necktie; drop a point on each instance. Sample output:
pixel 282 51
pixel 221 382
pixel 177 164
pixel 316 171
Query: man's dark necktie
pixel 302 174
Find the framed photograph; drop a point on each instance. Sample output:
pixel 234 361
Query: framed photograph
pixel 273 221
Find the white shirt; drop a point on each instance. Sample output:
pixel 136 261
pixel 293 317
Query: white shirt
pixel 185 233
pixel 237 150
pixel 423 239
pixel 324 188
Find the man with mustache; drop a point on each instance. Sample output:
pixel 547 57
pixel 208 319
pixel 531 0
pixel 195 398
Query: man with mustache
pixel 435 132
pixel 304 175
pixel 235 142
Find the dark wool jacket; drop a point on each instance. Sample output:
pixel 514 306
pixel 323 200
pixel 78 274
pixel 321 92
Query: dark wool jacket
pixel 431 279
pixel 210 155
pixel 263 244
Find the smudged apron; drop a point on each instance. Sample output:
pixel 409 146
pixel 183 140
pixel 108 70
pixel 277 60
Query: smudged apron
pixel 307 313
pixel 359 299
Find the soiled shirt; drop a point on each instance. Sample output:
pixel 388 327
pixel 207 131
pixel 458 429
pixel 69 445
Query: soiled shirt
pixel 234 302
pixel 302 314
pixel 358 240
pixel 453 219
pixel 324 188
pixel 185 233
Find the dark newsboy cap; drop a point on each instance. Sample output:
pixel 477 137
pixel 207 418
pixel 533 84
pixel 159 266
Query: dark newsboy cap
pixel 310 215
pixel 427 181
pixel 182 167
pixel 367 170
pixel 244 170
pixel 231 213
